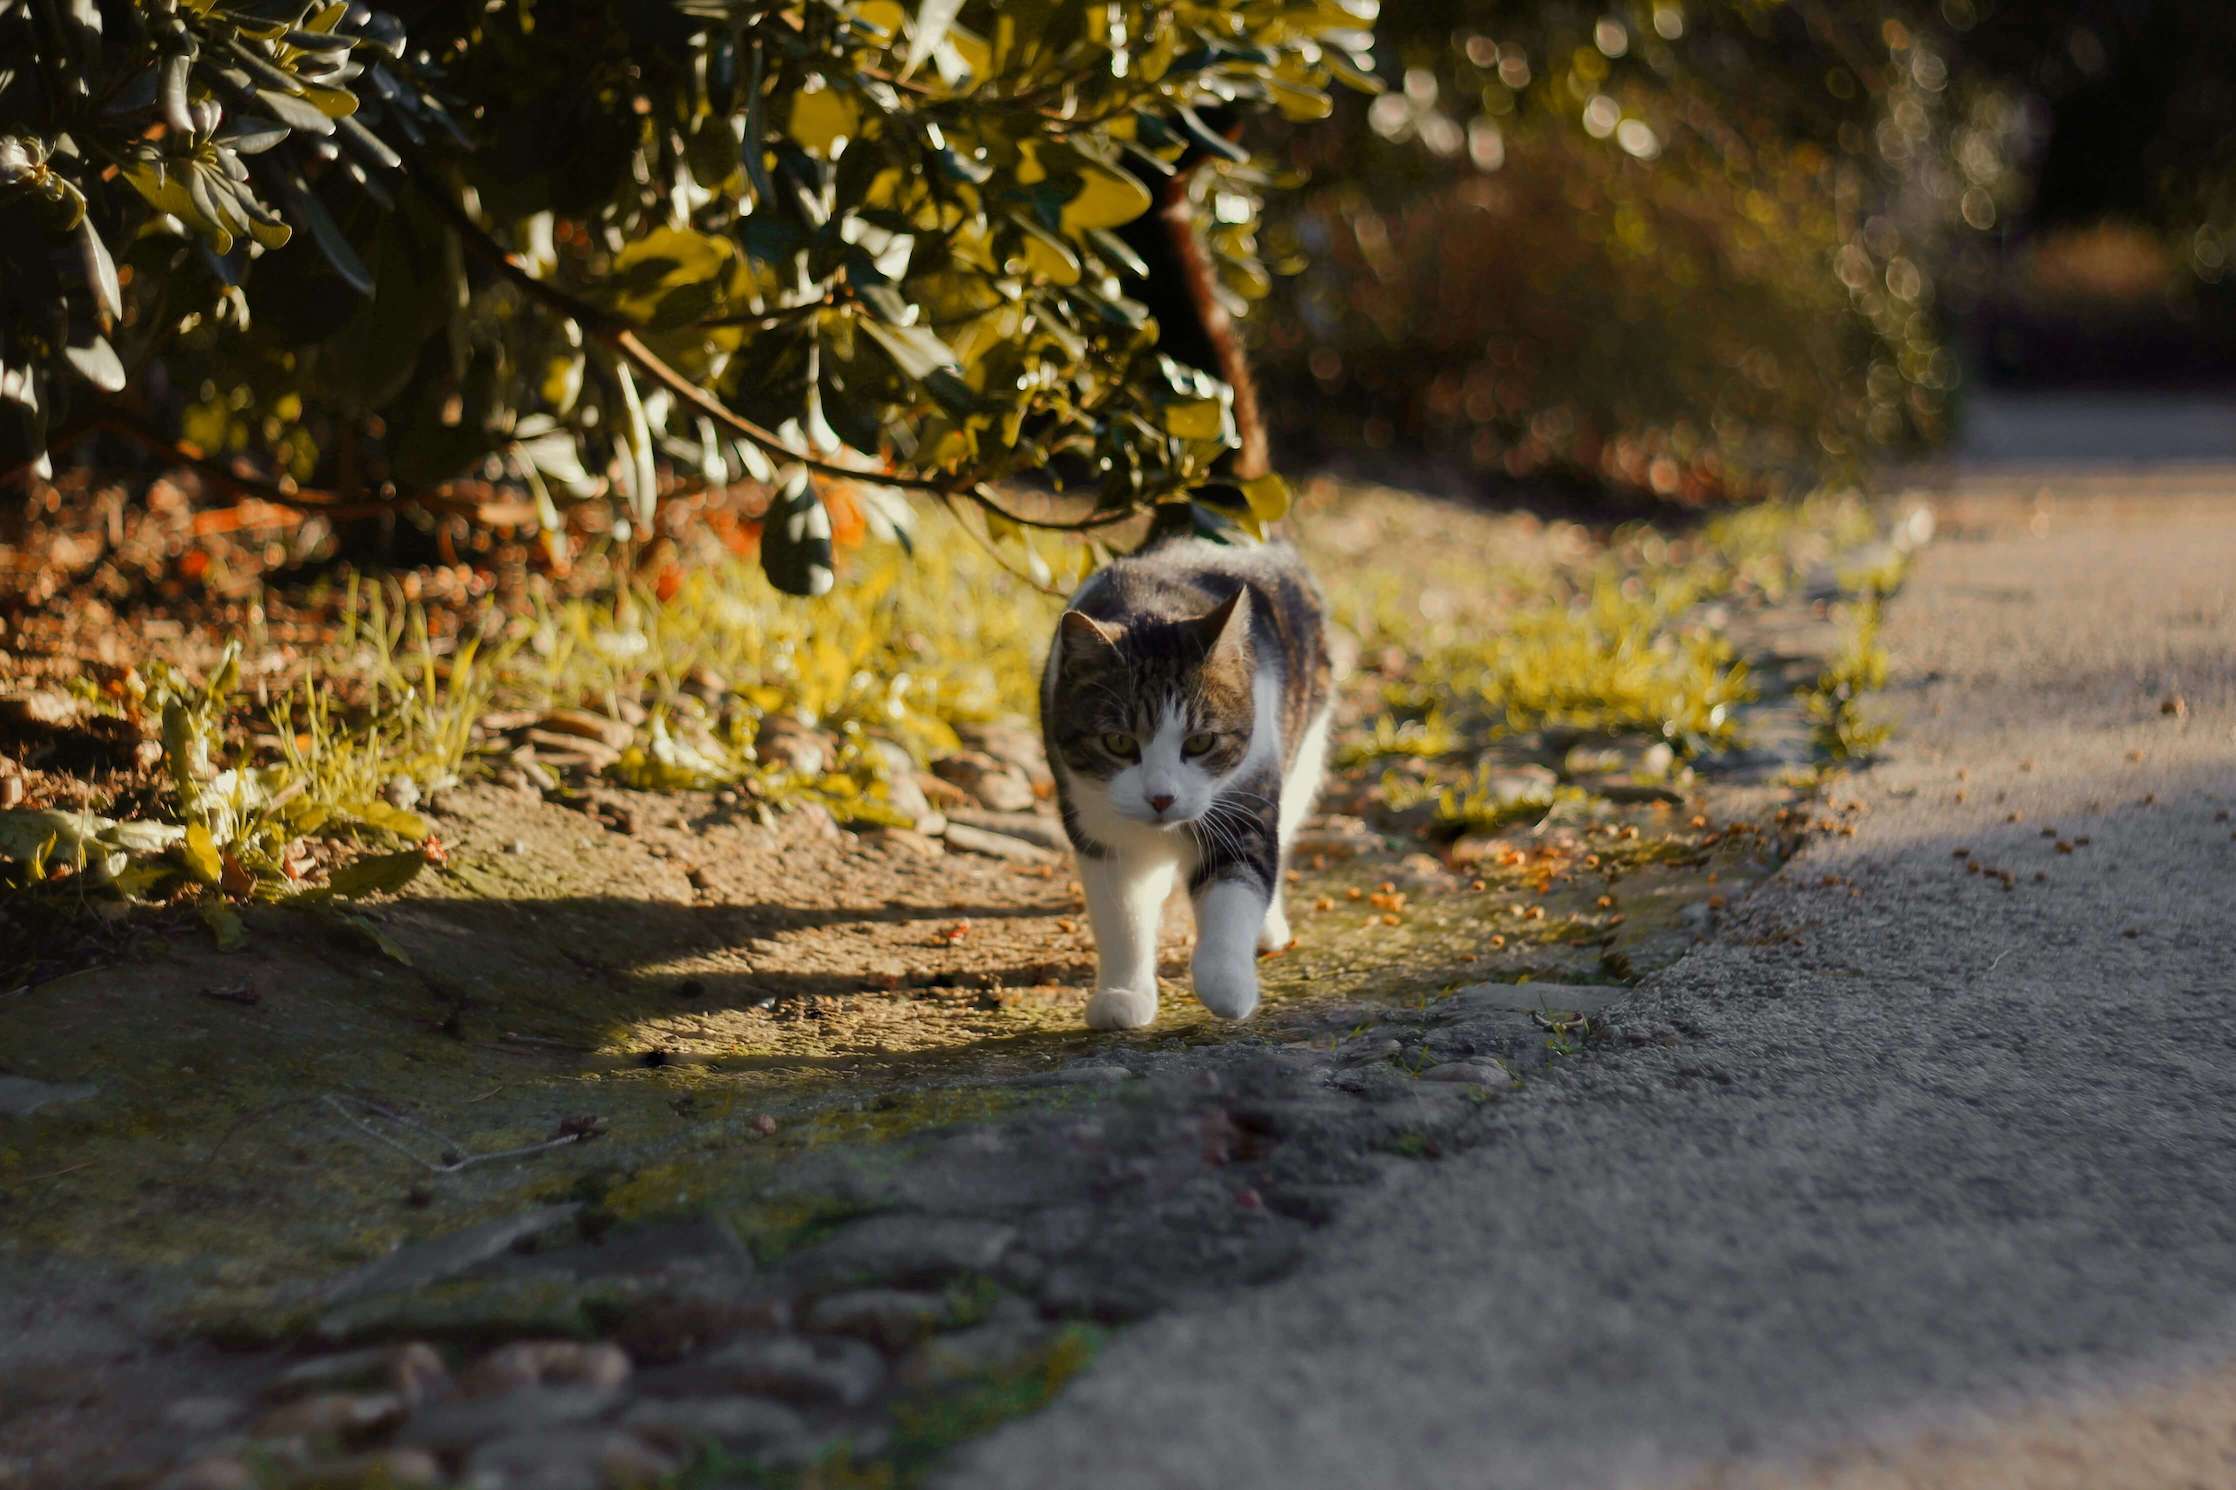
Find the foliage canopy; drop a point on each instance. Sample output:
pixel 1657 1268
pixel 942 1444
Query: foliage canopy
pixel 589 247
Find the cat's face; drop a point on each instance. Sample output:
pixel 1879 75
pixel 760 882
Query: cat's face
pixel 1154 715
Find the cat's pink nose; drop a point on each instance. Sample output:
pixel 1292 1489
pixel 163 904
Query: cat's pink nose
pixel 1161 803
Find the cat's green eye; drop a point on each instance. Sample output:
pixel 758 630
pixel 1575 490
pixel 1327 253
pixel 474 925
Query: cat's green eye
pixel 1198 744
pixel 1125 747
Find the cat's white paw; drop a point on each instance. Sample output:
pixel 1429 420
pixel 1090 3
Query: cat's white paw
pixel 1121 1009
pixel 1227 989
pixel 1274 935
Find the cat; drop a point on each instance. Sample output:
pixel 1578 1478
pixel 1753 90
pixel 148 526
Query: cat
pixel 1185 708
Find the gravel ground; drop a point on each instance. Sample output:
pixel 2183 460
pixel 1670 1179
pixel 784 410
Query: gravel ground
pixel 1934 1154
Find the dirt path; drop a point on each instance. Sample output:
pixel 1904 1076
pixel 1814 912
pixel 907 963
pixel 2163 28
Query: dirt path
pixel 789 1129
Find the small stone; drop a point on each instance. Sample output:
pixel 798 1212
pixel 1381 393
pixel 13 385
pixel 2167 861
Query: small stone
pixel 1334 834
pixel 413 1371
pixel 911 1249
pixel 1472 849
pixel 798 748
pixel 1001 787
pixel 347 1416
pixel 897 768
pixel 1475 1073
pixel 202 1416
pixel 453 1427
pixel 20 1096
pixel 808 1369
pixel 581 724
pixel 565 753
pixel 1080 1076
pixel 888 1318
pixel 686 1424
pixel 215 1472
pixel 546 1363
pixel 575 1459
pixel 904 842
pixel 996 845
pixel 1033 827
pixel 1012 742
pixel 815 818
pixel 417 1264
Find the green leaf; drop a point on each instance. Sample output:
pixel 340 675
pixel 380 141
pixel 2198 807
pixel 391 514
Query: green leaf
pixel 199 851
pixel 917 352
pixel 1268 496
pixel 171 79
pixel 796 540
pixel 1194 418
pixel 375 813
pixel 364 930
pixel 100 272
pixel 1047 255
pixel 824 120
pixel 296 113
pixel 1108 197
pixel 376 874
pixel 96 362
pixel 671 277
pixel 331 242
pixel 923 358
pixel 1210 139
pixel 1118 251
pixel 933 18
pixel 223 921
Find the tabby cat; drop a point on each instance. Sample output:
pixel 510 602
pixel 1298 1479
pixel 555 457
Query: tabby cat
pixel 1185 708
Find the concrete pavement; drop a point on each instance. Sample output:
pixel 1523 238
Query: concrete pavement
pixel 1932 1157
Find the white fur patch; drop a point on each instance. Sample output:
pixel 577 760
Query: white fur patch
pixel 1229 916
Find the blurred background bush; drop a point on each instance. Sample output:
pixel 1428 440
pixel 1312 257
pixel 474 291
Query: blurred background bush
pixel 1690 249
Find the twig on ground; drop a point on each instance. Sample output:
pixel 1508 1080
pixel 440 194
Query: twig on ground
pixel 452 1158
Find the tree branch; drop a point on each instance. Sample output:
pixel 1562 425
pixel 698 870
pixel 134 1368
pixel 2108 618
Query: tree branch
pixel 620 334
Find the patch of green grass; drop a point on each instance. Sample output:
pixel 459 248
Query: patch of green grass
pixel 1424 738
pixel 250 783
pixel 388 712
pixel 905 650
pixel 1841 731
pixel 1614 662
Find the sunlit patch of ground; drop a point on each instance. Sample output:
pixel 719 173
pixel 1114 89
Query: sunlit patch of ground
pixel 655 986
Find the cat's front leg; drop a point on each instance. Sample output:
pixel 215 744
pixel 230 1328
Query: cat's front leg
pixel 1229 915
pixel 1236 888
pixel 1124 900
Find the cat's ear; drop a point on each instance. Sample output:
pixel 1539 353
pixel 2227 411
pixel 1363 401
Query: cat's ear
pixel 1080 637
pixel 1228 627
